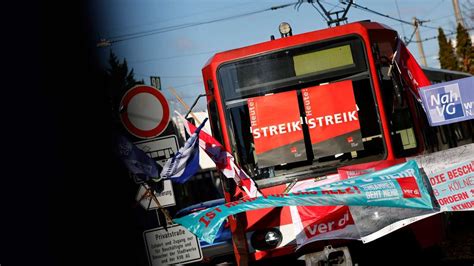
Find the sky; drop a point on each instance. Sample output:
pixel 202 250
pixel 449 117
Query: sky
pixel 181 48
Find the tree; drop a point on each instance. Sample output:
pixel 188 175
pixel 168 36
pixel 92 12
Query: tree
pixel 118 80
pixel 464 50
pixel 447 57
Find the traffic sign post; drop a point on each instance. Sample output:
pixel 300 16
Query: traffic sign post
pixel 145 112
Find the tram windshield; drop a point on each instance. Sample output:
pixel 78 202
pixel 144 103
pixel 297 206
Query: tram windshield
pixel 300 111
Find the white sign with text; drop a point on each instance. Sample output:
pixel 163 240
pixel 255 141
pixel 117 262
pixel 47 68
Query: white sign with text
pixel 176 245
pixel 165 198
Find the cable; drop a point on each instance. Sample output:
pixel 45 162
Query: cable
pixel 412 34
pixel 392 18
pixel 189 84
pixel 141 34
pixel 320 13
pixel 435 37
pixel 427 14
pixel 438 18
pixel 334 7
pixel 186 16
pixel 168 77
pixel 400 17
pixel 380 14
pixel 170 57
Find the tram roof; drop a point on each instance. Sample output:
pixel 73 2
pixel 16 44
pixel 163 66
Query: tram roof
pixel 360 28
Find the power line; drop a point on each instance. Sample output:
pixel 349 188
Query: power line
pixel 435 37
pixel 141 34
pixel 182 17
pixel 438 18
pixel 168 77
pixel 421 23
pixel 380 14
pixel 433 9
pixel 320 13
pixel 186 85
pixel 400 17
pixel 412 34
pixel 171 57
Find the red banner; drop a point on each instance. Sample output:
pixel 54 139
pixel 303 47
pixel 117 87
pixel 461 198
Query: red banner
pixel 409 69
pixel 276 128
pixel 314 223
pixel 332 118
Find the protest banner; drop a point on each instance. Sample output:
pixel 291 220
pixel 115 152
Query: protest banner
pixel 454 187
pixel 397 186
pixel 277 129
pixel 332 118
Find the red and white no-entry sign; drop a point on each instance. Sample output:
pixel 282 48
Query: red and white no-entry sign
pixel 145 111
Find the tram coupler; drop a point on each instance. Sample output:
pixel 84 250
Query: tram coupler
pixel 329 256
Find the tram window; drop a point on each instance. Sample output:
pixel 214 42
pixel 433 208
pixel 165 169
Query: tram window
pixel 292 70
pixel 214 119
pixel 374 148
pixel 323 60
pixel 265 73
pixel 396 104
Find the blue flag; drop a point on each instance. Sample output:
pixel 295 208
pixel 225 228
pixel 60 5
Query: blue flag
pixel 136 160
pixel 185 163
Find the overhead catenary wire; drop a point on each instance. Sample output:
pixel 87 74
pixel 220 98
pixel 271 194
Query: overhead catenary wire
pixel 442 17
pixel 182 17
pixel 141 34
pixel 421 22
pixel 400 17
pixel 435 37
pixel 428 13
pixel 297 6
pixel 171 57
pixel 169 77
pixel 320 13
pixel 407 42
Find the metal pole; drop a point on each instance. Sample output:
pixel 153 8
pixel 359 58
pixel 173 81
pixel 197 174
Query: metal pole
pixel 194 104
pixel 457 13
pixel 184 104
pixel 419 42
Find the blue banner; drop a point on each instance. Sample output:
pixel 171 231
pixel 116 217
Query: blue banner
pixel 397 186
pixel 449 102
pixel 136 160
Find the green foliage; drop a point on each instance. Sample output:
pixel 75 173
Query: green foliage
pixel 462 57
pixel 119 79
pixel 464 49
pixel 447 57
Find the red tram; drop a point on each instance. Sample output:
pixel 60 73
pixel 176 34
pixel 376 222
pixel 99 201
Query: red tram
pixel 300 107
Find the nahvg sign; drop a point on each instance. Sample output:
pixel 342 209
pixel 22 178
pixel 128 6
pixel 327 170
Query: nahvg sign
pixel 449 102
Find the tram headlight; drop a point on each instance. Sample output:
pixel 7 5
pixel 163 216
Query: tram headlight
pixel 285 29
pixel 266 239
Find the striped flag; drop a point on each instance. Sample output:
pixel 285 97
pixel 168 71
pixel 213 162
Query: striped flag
pixel 224 161
pixel 185 163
